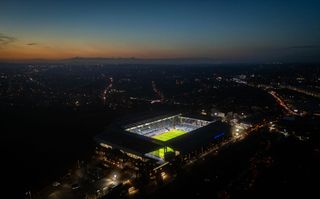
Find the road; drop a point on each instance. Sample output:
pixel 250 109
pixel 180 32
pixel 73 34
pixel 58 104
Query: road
pixel 233 139
pixel 282 103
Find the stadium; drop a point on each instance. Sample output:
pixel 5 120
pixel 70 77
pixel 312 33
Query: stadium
pixel 163 137
pixel 168 128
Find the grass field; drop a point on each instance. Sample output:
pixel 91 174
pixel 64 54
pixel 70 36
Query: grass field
pixel 169 135
pixel 160 152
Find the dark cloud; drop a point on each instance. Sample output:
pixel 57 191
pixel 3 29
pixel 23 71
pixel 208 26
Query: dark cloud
pixel 31 44
pixel 5 40
pixel 304 47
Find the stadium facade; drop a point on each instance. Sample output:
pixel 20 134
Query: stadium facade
pixel 163 138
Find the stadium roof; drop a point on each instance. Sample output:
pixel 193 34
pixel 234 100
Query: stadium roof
pixel 200 137
pixel 152 118
pixel 127 141
pixel 117 137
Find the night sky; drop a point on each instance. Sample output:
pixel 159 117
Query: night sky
pixel 227 30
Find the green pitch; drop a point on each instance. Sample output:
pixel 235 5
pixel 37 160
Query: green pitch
pixel 169 134
pixel 160 152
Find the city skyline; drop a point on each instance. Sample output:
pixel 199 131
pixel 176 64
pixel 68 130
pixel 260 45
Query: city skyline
pixel 242 31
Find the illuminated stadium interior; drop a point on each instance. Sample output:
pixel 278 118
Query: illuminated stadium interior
pixel 168 128
pixel 164 137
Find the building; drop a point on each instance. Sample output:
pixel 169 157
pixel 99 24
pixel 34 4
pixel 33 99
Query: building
pixel 163 138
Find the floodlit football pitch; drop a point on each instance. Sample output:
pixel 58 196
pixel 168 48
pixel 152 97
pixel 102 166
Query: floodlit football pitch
pixel 169 135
